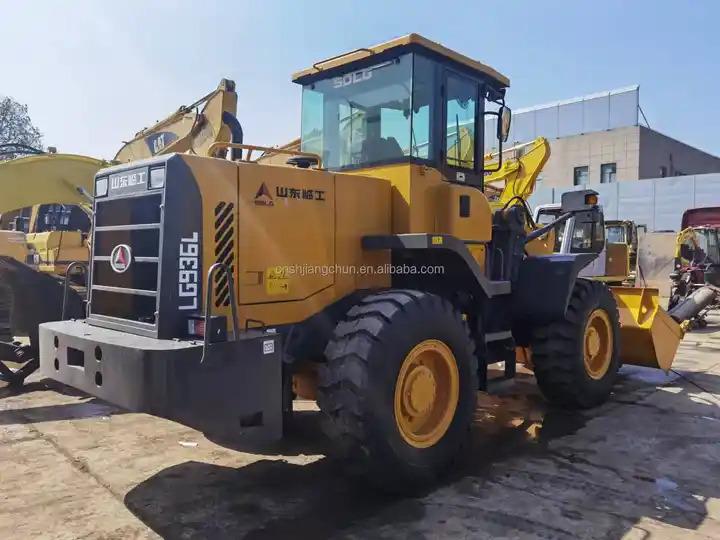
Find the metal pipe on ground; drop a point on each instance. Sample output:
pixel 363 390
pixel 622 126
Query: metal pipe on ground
pixel 694 304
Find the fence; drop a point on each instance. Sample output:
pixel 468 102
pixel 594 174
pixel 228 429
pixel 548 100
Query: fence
pixel 656 203
pixel 596 112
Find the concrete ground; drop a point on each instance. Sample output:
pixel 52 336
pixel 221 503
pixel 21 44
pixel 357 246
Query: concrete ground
pixel 644 465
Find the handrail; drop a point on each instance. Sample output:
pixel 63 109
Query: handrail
pixel 338 56
pixel 69 267
pixel 267 149
pixel 208 304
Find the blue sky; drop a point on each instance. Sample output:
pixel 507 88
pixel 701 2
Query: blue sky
pixel 93 73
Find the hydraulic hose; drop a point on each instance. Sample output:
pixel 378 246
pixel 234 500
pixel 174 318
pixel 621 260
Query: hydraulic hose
pixel 231 121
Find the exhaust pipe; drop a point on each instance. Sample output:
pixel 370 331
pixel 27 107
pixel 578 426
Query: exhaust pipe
pixel 694 304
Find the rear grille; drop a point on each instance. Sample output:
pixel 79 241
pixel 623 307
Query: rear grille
pixel 135 210
pixel 224 249
pixel 144 242
pixel 131 295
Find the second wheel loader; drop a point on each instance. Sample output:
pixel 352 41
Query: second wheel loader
pixel 373 274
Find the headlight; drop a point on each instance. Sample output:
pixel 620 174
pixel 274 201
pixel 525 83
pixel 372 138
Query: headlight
pixel 157 178
pixel 101 186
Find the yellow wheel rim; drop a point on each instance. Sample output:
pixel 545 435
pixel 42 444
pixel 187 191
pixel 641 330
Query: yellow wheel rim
pixel 426 393
pixel 597 344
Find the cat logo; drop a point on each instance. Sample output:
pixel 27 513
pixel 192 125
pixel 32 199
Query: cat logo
pixel 120 258
pixel 263 197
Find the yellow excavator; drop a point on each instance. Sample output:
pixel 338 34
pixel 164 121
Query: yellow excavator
pixel 696 269
pixel 519 171
pixel 46 201
pixel 372 274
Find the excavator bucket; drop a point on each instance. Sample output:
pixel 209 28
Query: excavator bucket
pixel 648 335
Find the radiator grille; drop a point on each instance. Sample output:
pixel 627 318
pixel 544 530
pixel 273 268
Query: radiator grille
pixel 224 250
pixel 134 221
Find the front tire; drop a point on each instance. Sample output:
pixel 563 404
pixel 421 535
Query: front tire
pixel 398 391
pixel 576 359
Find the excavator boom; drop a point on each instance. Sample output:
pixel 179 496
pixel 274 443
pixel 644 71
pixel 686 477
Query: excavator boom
pixel 189 129
pixel 519 172
pixel 47 179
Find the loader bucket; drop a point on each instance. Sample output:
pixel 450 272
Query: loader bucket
pixel 648 335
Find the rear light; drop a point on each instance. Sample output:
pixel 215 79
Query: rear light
pixel 196 327
pixel 217 330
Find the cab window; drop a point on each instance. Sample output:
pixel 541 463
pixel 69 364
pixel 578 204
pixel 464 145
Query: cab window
pixel 423 99
pixel 548 216
pixel 460 113
pixel 616 234
pixel 360 118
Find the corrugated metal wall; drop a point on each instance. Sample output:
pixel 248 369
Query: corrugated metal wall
pixel 587 114
pixel 656 203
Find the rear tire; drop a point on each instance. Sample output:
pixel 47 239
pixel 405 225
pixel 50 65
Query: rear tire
pixel 576 360
pixel 399 351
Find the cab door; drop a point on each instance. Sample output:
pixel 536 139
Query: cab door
pixel 461 135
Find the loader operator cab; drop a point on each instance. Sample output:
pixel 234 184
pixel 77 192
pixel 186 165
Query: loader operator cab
pixel 414 102
pixel 572 236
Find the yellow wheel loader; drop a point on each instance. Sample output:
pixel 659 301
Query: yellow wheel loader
pixel 46 199
pixel 616 264
pixel 372 274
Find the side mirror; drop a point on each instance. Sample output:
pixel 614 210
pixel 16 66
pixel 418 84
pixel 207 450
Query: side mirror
pixel 503 125
pixel 578 201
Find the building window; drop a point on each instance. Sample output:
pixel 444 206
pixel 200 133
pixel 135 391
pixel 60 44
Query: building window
pixel 608 173
pixel 580 175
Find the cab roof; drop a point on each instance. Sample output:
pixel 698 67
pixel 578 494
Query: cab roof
pixel 404 42
pixel 698 217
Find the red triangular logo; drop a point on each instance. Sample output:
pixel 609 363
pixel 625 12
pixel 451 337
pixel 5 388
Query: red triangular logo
pixel 263 197
pixel 120 257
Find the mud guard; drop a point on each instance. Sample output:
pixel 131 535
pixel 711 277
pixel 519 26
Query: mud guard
pixel 542 290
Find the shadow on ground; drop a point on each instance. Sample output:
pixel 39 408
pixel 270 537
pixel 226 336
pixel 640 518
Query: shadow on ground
pixel 602 471
pixel 83 408
pixel 647 454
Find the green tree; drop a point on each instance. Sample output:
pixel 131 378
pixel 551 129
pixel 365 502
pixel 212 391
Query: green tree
pixel 16 128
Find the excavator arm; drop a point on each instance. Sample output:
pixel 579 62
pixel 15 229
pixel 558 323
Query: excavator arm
pixel 686 237
pixel 68 178
pixel 47 179
pixel 189 129
pixel 519 172
pixel 515 181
